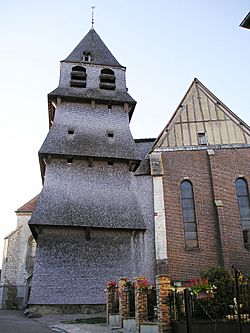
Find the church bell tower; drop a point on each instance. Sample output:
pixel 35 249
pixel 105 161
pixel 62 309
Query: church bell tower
pixel 88 222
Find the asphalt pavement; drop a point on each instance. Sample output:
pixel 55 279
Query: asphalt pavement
pixel 15 322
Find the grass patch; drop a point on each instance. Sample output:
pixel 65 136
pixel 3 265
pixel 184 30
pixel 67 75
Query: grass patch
pixel 96 320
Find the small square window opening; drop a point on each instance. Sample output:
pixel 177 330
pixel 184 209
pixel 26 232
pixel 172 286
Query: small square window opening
pixel 86 56
pixel 71 131
pixel 110 134
pixel 202 139
pixel 110 163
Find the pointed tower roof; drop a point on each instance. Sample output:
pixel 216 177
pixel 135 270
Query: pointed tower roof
pixel 202 120
pixel 246 22
pixel 93 44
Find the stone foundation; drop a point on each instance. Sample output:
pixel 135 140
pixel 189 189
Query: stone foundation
pixel 162 266
pixel 37 309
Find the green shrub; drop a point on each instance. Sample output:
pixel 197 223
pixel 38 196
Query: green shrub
pixel 219 306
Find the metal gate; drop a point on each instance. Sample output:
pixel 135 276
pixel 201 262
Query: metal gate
pixel 232 314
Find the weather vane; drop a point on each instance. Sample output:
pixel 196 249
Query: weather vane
pixel 93 8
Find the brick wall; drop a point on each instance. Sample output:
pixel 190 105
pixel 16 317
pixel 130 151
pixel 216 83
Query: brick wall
pixel 213 178
pixel 192 165
pixel 219 232
pixel 226 166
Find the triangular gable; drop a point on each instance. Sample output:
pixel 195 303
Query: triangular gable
pixel 13 232
pixel 201 119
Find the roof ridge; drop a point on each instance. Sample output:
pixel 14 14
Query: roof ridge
pixel 173 115
pixel 207 92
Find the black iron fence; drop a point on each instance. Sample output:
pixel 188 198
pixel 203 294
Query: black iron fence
pixel 152 304
pixel 230 313
pixel 115 304
pixel 131 296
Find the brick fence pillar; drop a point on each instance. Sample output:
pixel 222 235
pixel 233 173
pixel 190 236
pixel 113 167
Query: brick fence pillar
pixel 141 303
pixel 123 299
pixel 111 292
pixel 163 288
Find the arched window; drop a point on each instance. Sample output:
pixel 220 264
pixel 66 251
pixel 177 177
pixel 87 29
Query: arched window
pixel 107 79
pixel 244 208
pixel 31 254
pixel 78 77
pixel 188 209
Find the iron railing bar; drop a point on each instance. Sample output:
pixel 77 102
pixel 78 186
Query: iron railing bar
pixel 203 309
pixel 236 276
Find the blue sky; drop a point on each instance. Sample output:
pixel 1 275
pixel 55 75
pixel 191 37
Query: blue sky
pixel 164 45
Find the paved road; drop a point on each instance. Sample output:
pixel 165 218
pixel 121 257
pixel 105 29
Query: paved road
pixel 16 322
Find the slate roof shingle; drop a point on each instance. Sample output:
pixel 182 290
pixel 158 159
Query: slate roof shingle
pixel 92 43
pixel 80 196
pixel 97 94
pixel 90 134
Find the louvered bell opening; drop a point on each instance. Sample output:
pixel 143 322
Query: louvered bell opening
pixel 107 85
pixel 78 74
pixel 78 83
pixel 107 78
pixel 78 77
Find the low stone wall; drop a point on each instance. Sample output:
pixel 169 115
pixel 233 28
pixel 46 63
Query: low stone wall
pixel 129 325
pixel 149 328
pixel 114 320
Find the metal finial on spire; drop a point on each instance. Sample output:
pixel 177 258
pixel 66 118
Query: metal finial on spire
pixel 93 8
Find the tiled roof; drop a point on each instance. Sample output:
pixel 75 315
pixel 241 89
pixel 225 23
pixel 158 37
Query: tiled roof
pixel 144 168
pixel 105 95
pixel 28 206
pixel 93 44
pixel 144 146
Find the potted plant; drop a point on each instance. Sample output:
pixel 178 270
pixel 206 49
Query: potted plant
pixel 141 285
pixel 202 288
pixel 110 285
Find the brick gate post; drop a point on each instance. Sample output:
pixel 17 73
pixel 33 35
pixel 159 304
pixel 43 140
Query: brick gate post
pixel 141 301
pixel 110 299
pixel 163 288
pixel 123 299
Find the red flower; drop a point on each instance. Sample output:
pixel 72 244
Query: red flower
pixel 110 283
